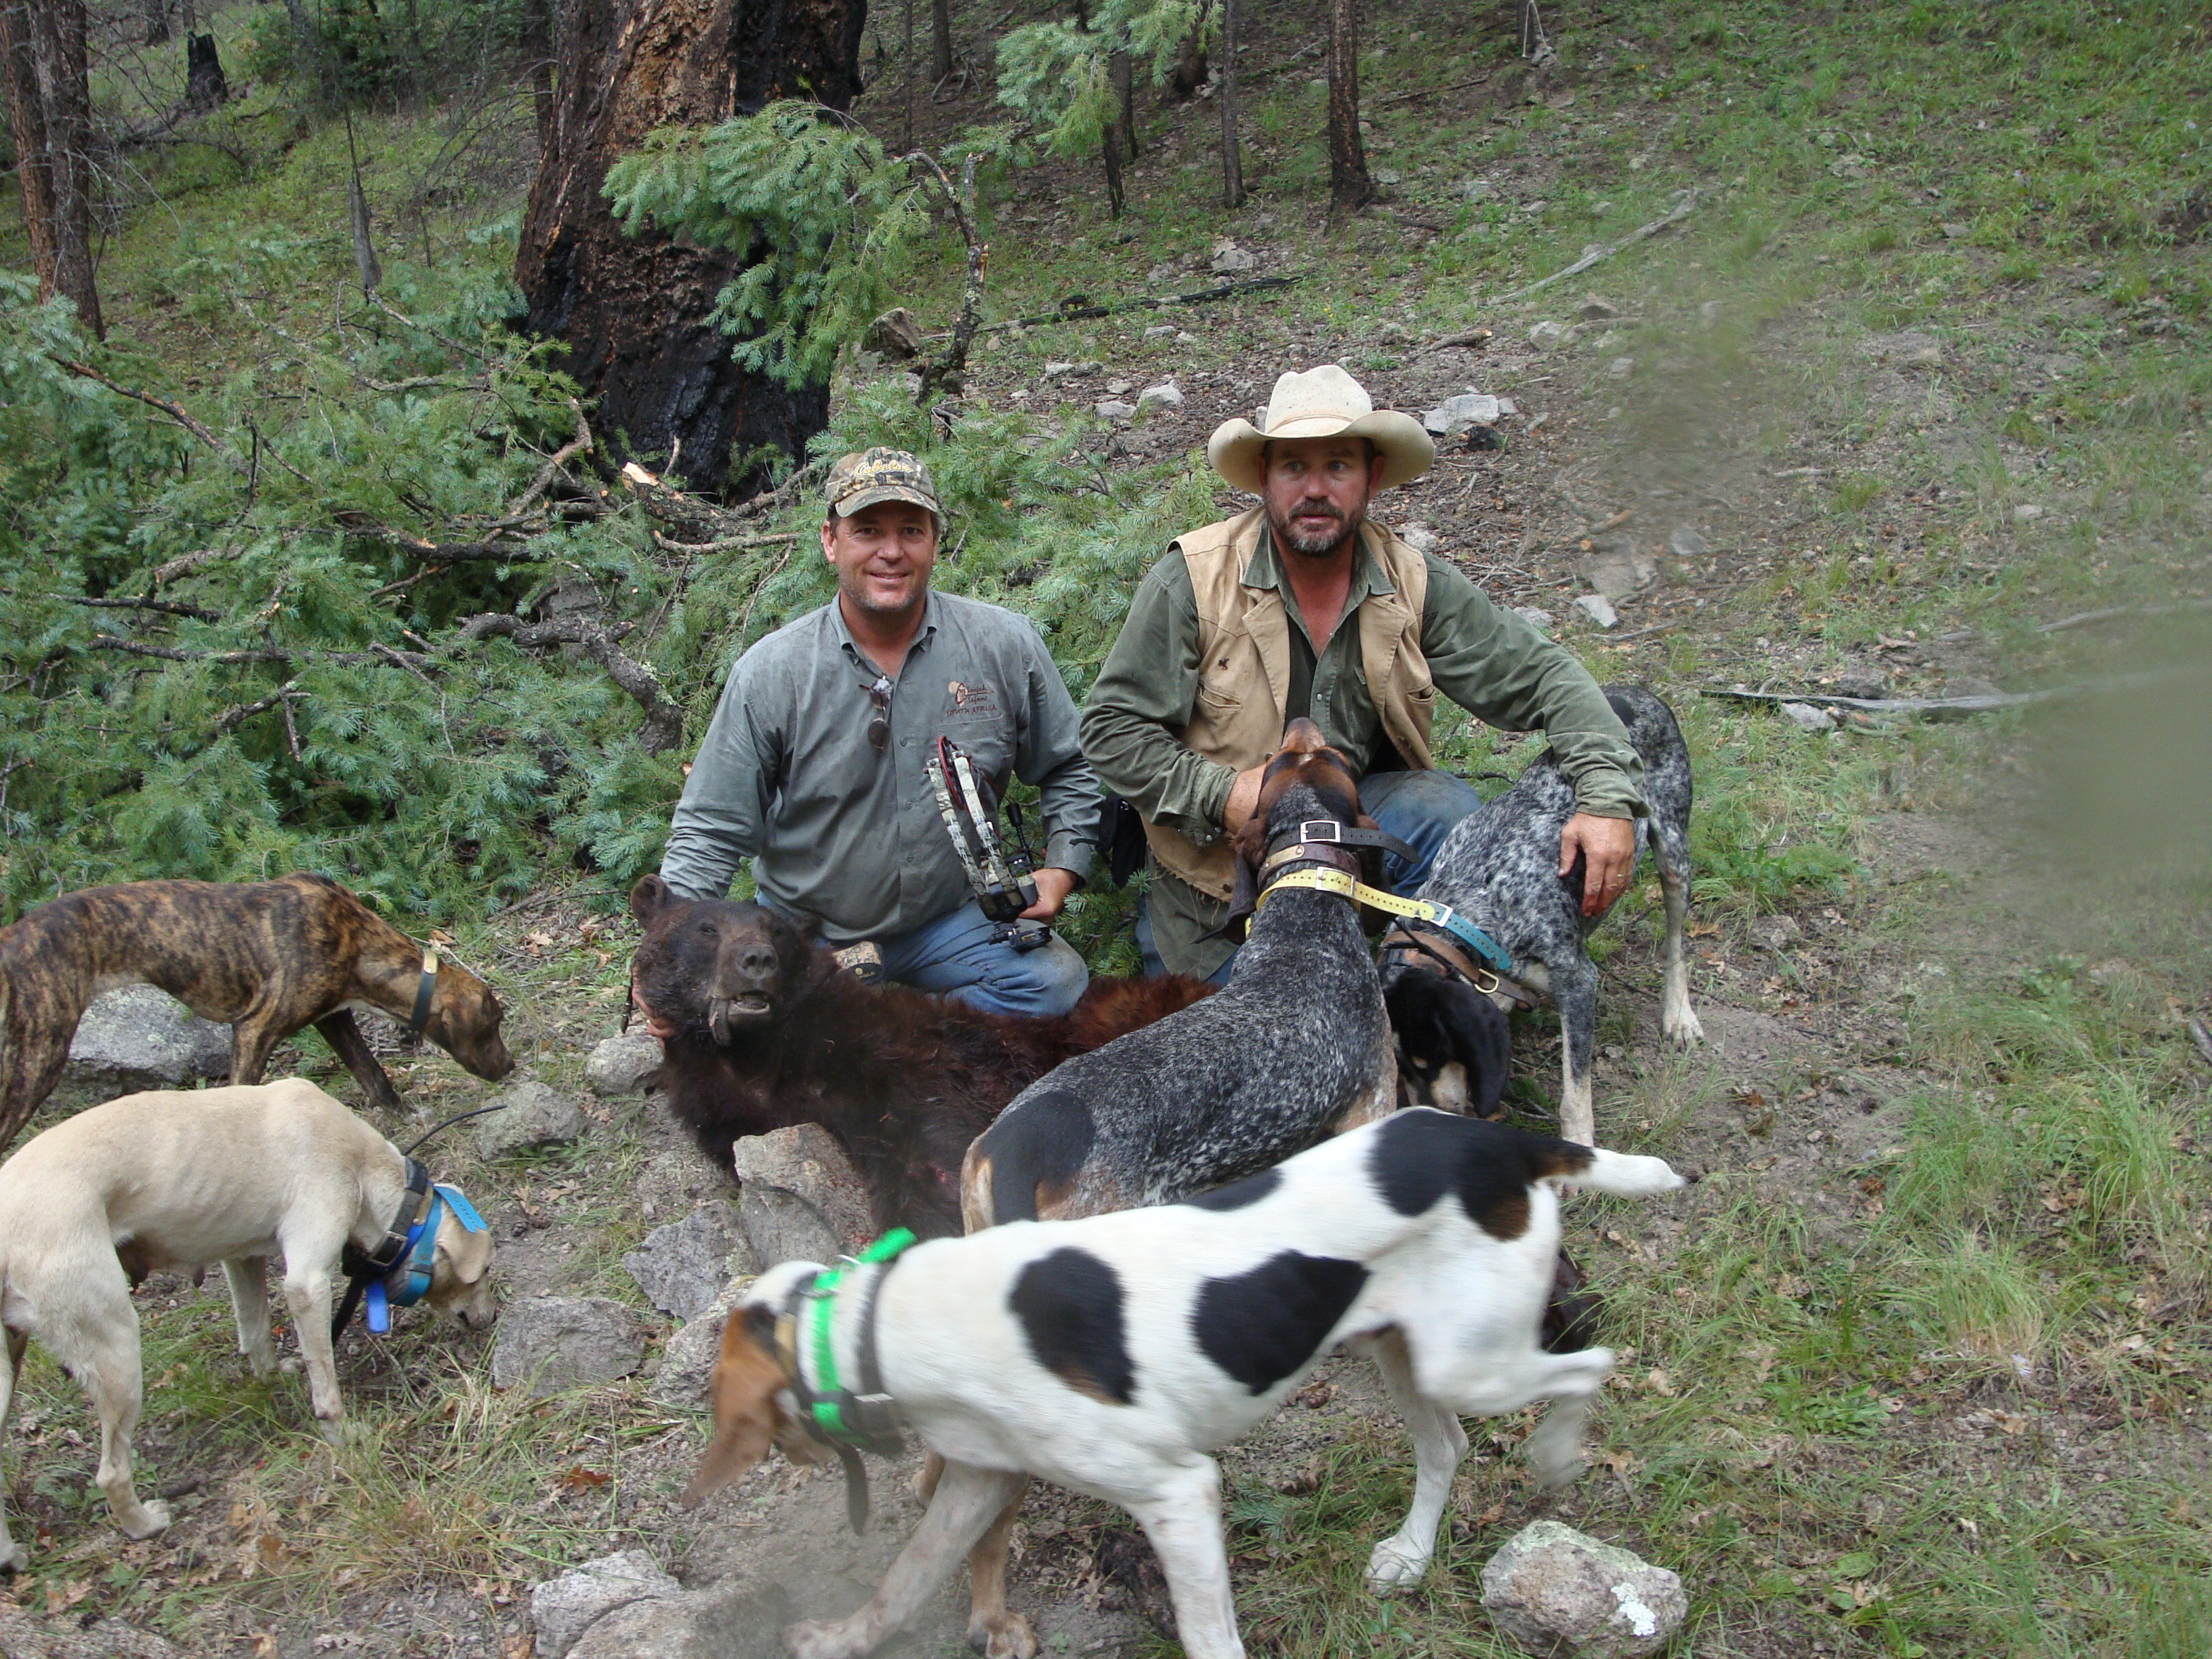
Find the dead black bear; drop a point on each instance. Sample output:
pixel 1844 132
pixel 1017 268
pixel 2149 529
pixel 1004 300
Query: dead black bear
pixel 766 1031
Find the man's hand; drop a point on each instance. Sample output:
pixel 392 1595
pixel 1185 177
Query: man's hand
pixel 1053 885
pixel 1243 799
pixel 653 1022
pixel 1608 846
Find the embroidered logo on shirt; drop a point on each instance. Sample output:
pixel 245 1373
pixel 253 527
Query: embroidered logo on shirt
pixel 973 701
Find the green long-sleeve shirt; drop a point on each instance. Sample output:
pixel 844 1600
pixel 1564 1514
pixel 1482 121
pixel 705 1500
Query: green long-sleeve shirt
pixel 1490 662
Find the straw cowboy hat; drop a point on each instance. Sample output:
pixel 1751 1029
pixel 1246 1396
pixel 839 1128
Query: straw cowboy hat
pixel 1321 403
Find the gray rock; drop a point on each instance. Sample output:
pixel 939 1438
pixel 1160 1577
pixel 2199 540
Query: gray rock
pixel 1809 717
pixel 1775 933
pixel 562 1609
pixel 741 1619
pixel 1598 609
pixel 1162 273
pixel 1165 395
pixel 1119 388
pixel 1419 537
pixel 530 1114
pixel 1159 329
pixel 1113 409
pixel 1536 618
pixel 623 1065
pixel 680 1266
pixel 1595 310
pixel 1557 1592
pixel 687 1362
pixel 1685 542
pixel 798 1199
pixel 1955 231
pixel 894 334
pixel 1474 189
pixel 1621 367
pixel 558 1342
pixel 1860 685
pixel 136 1038
pixel 1616 566
pixel 1228 258
pixel 1469 409
pixel 2027 513
pixel 1054 371
pixel 1547 335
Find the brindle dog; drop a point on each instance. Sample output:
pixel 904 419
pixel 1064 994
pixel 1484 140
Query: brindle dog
pixel 266 958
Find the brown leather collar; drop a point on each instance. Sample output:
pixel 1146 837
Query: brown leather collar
pixel 1433 953
pixel 1310 851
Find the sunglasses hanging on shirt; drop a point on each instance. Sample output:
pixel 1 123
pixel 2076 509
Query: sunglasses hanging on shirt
pixel 879 724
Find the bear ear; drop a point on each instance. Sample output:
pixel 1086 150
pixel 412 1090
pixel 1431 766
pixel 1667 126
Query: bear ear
pixel 649 898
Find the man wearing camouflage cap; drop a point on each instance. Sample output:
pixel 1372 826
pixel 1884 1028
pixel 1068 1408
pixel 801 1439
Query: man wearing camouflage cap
pixel 813 765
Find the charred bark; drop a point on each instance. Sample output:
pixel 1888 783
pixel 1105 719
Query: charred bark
pixel 535 40
pixel 1349 186
pixel 26 121
pixel 205 87
pixel 1232 155
pixel 940 39
pixel 635 311
pixel 58 57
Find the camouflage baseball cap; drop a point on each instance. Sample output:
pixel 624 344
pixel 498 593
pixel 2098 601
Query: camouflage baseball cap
pixel 880 475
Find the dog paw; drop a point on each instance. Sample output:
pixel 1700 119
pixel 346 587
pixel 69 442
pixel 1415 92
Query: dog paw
pixel 822 1638
pixel 149 1519
pixel 1395 1566
pixel 1008 1637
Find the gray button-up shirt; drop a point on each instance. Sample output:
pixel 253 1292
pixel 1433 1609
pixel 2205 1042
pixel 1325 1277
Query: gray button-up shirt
pixel 853 836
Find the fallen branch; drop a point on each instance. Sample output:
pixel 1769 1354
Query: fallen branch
pixel 1430 92
pixel 257 654
pixel 2198 1036
pixel 175 411
pixel 664 722
pixel 1472 338
pixel 2086 617
pixel 765 538
pixel 1943 706
pixel 1078 312
pixel 694 521
pixel 1674 215
pixel 954 358
pixel 167 607
pixel 554 468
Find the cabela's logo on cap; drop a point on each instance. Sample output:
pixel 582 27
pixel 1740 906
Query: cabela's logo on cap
pixel 862 480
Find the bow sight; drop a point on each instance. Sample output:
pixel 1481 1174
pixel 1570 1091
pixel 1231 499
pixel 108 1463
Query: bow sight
pixel 1002 881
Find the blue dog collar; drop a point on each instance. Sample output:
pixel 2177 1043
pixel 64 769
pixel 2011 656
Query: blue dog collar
pixel 410 1282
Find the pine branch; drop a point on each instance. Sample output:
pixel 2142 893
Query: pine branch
pixel 167 607
pixel 664 722
pixel 381 654
pixel 175 411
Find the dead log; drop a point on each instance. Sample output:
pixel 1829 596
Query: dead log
pixel 664 722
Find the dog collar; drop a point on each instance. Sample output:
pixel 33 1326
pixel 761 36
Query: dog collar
pixel 1436 915
pixel 845 1420
pixel 406 1254
pixel 1327 832
pixel 425 988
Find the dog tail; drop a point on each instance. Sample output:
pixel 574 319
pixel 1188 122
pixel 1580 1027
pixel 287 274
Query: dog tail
pixel 1622 1174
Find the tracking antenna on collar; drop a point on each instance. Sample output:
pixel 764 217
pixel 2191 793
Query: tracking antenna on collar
pixel 409 1152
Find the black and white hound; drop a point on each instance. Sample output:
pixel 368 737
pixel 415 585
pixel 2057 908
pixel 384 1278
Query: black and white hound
pixel 1114 1354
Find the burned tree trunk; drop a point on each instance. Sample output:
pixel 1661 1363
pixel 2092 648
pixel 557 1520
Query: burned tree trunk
pixel 59 59
pixel 1349 186
pixel 940 39
pixel 26 120
pixel 205 87
pixel 635 311
pixel 1232 158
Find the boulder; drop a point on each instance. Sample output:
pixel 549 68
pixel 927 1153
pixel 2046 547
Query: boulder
pixel 562 1609
pixel 742 1619
pixel 558 1342
pixel 529 1115
pixel 623 1065
pixel 1113 409
pixel 136 1038
pixel 1598 609
pixel 1229 260
pixel 1469 409
pixel 798 1199
pixel 687 1362
pixel 1558 1592
pixel 681 1267
pixel 894 334
pixel 1165 395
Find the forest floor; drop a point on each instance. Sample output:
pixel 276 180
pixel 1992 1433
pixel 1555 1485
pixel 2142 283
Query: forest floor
pixel 1921 1366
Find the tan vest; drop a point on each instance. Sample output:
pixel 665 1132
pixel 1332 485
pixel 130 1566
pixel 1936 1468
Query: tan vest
pixel 1244 670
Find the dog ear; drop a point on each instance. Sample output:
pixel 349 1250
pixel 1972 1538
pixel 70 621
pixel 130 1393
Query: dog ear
pixel 1483 1041
pixel 1248 846
pixel 649 898
pixel 746 1380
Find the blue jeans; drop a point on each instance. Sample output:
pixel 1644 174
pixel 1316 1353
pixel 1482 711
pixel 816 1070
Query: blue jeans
pixel 954 956
pixel 1419 808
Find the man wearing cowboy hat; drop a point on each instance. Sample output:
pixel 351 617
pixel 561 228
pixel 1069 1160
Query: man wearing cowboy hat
pixel 813 765
pixel 1303 606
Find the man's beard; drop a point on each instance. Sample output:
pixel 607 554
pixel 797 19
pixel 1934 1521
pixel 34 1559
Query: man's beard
pixel 1320 547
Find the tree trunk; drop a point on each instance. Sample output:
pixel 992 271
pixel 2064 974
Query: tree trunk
pixel 1110 149
pixel 634 312
pixel 1232 159
pixel 57 54
pixel 27 121
pixel 1124 97
pixel 535 40
pixel 157 21
pixel 1190 68
pixel 940 57
pixel 1349 186
pixel 205 88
